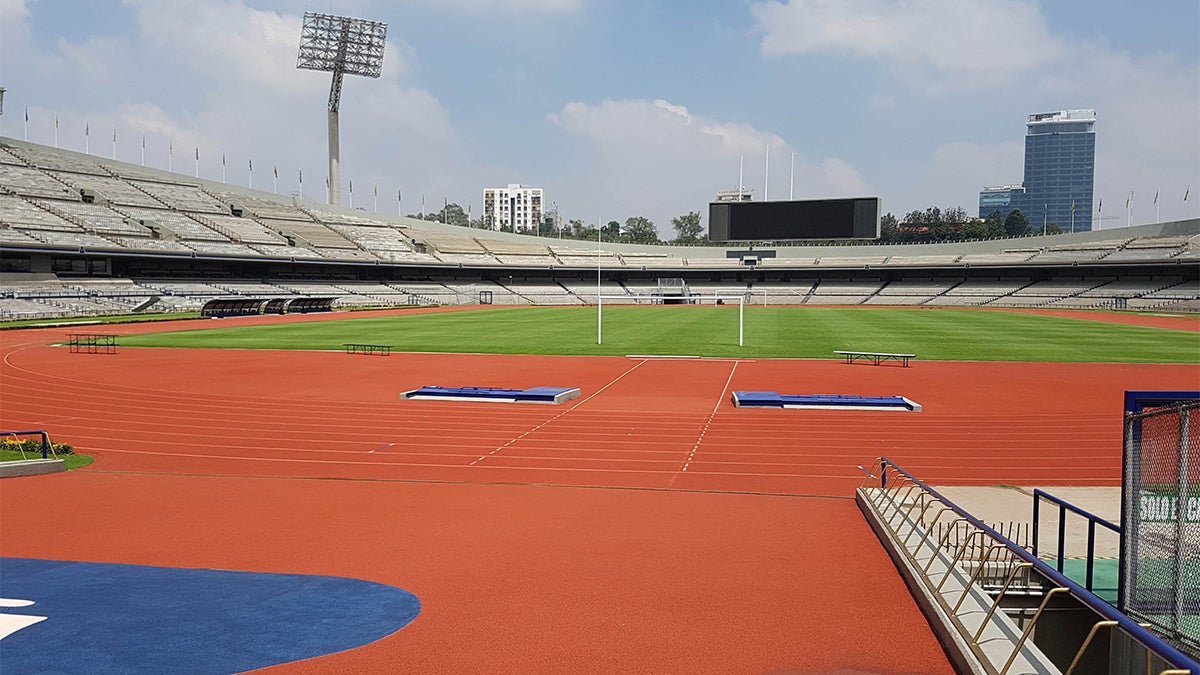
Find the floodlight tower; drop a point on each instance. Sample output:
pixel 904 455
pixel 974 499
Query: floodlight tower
pixel 340 45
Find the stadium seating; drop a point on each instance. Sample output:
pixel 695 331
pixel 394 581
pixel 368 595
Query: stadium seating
pixel 70 205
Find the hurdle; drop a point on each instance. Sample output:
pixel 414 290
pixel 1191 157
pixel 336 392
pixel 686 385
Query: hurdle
pixel 366 348
pixel 92 343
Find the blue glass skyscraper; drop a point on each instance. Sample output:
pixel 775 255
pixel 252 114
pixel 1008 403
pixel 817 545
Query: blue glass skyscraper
pixel 1060 169
pixel 1060 172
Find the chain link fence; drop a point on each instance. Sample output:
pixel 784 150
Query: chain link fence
pixel 1161 521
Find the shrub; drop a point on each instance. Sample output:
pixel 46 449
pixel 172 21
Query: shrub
pixel 34 445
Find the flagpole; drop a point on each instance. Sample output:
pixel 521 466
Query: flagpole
pixel 171 157
pixel 143 149
pixel 87 138
pixel 275 182
pixel 399 203
pixel 26 132
pixel 114 142
pixel 792 179
pixel 767 173
pixel 301 172
pixel 55 130
pixel 197 161
pixel 375 199
pixel 223 168
pixel 599 302
pixel 250 174
pixel 1157 208
pixel 741 162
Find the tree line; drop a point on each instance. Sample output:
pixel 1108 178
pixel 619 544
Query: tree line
pixel 935 225
pixel 635 229
pixel 929 226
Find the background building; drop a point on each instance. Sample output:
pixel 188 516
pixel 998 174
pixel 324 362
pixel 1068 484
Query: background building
pixel 1060 171
pixel 740 195
pixel 999 198
pixel 516 208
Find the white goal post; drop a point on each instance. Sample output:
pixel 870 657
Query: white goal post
pixel 600 298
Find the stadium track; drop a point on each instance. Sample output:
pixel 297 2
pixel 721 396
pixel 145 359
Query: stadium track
pixel 206 459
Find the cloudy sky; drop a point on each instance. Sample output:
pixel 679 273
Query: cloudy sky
pixel 625 107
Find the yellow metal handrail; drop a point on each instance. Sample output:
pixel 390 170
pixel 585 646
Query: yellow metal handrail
pixel 1004 589
pixel 942 542
pixel 1088 641
pixel 962 548
pixel 978 572
pixel 1029 629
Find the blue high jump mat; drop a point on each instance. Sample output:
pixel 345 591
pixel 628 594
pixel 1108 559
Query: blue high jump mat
pixel 545 395
pixel 78 617
pixel 770 399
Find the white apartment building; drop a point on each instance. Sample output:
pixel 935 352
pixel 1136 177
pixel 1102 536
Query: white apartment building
pixel 517 208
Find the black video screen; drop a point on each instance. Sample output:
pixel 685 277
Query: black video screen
pixel 781 221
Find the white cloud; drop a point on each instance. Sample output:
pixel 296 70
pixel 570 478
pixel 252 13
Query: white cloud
pixel 220 77
pixel 934 43
pixel 658 159
pixel 1147 107
pixel 507 5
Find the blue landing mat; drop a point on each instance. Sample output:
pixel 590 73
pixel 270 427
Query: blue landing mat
pixel 110 618
pixel 551 395
pixel 770 399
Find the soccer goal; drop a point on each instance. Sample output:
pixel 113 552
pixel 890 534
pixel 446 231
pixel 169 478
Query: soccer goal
pixel 647 299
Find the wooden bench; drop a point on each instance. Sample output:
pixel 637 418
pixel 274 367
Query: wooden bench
pixel 877 357
pixel 364 348
pixel 92 343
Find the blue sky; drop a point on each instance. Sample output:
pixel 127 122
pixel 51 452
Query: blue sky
pixel 622 108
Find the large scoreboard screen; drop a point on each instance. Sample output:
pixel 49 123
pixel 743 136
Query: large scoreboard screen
pixel 856 218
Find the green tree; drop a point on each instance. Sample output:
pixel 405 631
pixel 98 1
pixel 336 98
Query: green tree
pixel 1053 228
pixel 688 229
pixel 887 227
pixel 1016 224
pixel 639 230
pixel 451 214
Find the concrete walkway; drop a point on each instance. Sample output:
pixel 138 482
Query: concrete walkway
pixel 995 505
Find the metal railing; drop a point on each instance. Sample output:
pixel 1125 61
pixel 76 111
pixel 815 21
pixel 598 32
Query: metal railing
pixel 1093 521
pixel 47 447
pixel 893 490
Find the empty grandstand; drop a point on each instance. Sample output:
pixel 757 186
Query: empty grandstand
pixel 164 242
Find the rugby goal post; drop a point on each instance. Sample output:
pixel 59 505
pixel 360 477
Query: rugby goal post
pixel 600 298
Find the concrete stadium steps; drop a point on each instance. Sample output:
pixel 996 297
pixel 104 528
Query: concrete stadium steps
pixel 29 182
pixel 33 214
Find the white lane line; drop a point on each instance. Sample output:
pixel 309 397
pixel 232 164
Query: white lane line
pixel 708 422
pixel 559 415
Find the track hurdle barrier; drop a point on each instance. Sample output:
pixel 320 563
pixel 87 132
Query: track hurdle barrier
pixel 92 343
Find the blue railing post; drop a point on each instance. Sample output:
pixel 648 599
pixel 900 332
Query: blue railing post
pixel 1091 553
pixel 1062 534
pixel 1037 500
pixel 45 445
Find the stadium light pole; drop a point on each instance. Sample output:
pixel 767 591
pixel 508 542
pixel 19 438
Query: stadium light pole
pixel 340 45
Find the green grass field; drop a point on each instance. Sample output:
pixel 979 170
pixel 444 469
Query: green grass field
pixel 780 332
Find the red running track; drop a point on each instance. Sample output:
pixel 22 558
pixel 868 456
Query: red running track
pixel 205 459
